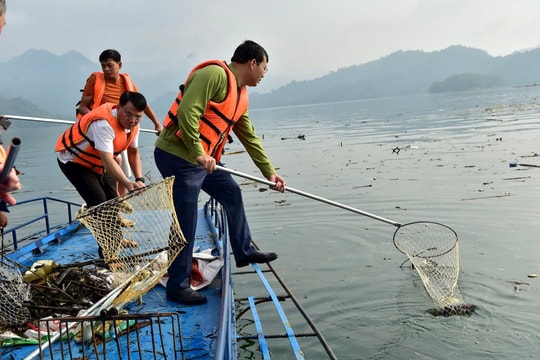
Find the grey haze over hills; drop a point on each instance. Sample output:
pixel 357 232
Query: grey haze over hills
pixel 406 72
pixel 38 83
pixel 53 83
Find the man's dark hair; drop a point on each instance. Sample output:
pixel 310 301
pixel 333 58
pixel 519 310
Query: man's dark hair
pixel 137 99
pixel 2 7
pixel 110 54
pixel 248 51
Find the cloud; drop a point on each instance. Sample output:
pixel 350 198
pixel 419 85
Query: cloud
pixel 305 38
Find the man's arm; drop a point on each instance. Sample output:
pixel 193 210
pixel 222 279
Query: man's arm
pixel 135 162
pixel 112 167
pixel 11 184
pixel 84 106
pixel 245 132
pixel 152 116
pixel 87 96
pixel 3 219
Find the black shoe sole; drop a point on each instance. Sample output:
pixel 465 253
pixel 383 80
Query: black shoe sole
pixel 247 262
pixel 187 303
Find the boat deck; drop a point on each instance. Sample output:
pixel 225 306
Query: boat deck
pixel 194 338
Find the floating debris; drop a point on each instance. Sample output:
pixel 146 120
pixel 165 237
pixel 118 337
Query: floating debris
pixel 362 186
pixel 517 285
pixel 250 183
pixel 526 165
pixel 450 310
pixel 518 178
pixel 397 149
pixel 300 137
pixel 235 152
pixel 487 197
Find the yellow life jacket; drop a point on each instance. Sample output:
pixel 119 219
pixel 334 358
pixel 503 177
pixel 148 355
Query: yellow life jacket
pixel 218 118
pixel 99 89
pixel 88 156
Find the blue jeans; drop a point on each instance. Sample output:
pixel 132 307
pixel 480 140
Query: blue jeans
pixel 188 182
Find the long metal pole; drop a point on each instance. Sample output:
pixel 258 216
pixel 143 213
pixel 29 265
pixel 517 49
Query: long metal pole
pixel 308 195
pixel 55 121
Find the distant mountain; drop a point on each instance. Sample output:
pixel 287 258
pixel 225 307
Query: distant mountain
pixel 404 72
pixel 466 82
pixel 53 82
pixel 21 107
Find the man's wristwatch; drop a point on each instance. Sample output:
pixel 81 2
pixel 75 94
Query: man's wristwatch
pixel 141 179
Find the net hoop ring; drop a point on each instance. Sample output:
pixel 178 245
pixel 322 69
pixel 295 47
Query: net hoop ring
pixel 115 202
pixel 450 235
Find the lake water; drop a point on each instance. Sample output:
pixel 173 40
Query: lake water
pixel 442 158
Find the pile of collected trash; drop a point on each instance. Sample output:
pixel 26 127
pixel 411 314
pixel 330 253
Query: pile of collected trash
pixel 65 289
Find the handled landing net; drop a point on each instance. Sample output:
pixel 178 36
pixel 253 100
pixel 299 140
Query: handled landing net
pixel 431 247
pixel 433 250
pixel 139 236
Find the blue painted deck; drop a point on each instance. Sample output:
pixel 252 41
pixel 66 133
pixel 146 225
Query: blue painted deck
pixel 266 317
pixel 199 324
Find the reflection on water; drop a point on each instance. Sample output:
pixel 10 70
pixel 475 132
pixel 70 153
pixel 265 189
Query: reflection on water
pixel 441 158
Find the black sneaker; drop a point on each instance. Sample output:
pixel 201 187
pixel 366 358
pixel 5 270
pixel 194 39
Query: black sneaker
pixel 187 296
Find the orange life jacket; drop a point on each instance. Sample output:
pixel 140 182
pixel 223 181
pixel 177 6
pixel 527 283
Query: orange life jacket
pixel 88 156
pixel 99 89
pixel 218 118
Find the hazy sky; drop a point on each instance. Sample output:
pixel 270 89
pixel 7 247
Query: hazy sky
pixel 305 38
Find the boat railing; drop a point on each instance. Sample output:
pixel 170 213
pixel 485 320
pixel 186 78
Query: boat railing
pixel 234 311
pixel 51 213
pixel 113 335
pixel 260 334
pixel 225 336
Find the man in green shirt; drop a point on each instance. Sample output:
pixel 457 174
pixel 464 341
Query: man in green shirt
pixel 212 102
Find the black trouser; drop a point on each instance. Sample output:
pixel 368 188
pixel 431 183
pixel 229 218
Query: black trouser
pixel 93 188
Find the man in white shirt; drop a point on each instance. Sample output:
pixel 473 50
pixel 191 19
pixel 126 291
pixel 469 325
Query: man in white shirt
pixel 87 150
